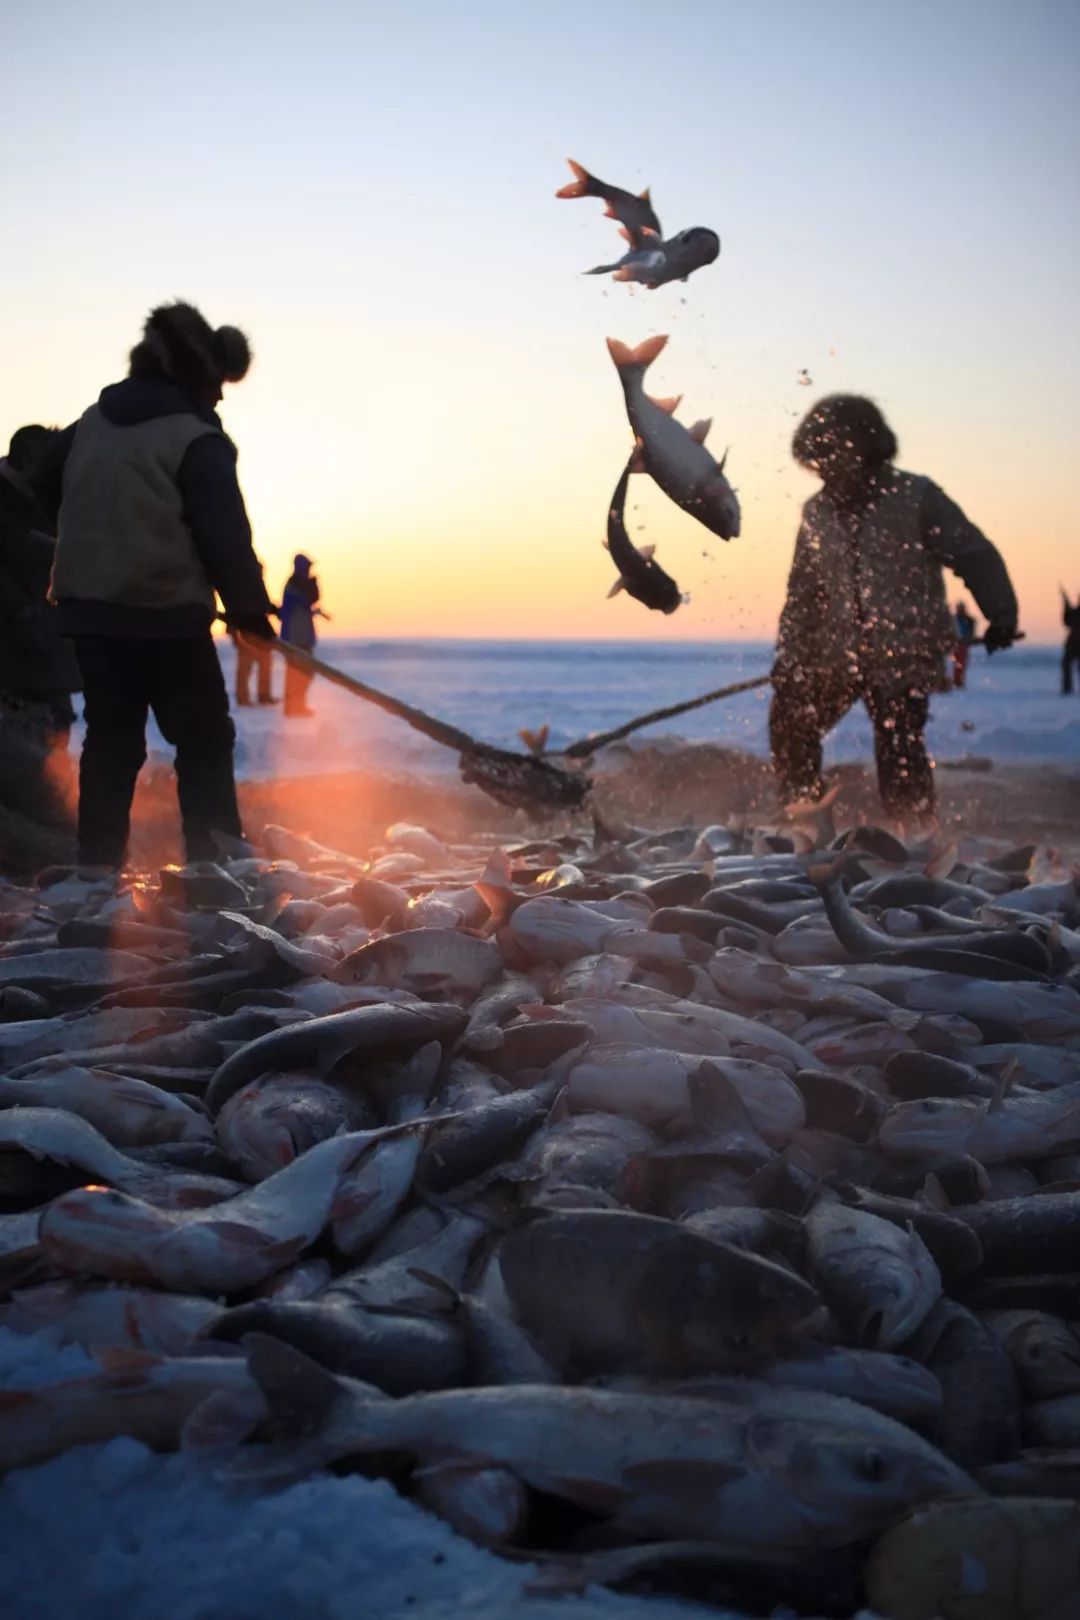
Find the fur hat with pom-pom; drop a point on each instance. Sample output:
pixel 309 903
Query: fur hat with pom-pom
pixel 179 342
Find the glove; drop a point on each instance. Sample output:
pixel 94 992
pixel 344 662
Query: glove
pixel 253 624
pixel 998 637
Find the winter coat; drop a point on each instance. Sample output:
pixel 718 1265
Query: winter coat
pixel 298 603
pixel 866 595
pixel 151 519
pixel 33 655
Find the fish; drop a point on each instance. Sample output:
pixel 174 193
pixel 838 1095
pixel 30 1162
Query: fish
pixel 998 1558
pixel 1026 1235
pixel 489 1506
pixel 397 1352
pixel 994 1132
pixel 601 1289
pixel 363 1034
pixel 673 455
pixel 99 1232
pixel 127 1112
pixel 1044 1351
pixel 653 262
pixel 278 1117
pixel 35 1141
pixel 143 1397
pixel 739 1473
pixel 438 964
pixel 640 575
pixel 882 1282
pixel 96 1316
pixel 980 1417
pixel 634 212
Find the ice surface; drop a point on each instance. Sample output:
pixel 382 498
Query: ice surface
pixel 1012 709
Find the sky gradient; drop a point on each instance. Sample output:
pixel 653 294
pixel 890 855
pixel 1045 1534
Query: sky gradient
pixel 369 191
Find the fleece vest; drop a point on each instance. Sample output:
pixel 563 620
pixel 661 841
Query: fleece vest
pixel 866 596
pixel 122 534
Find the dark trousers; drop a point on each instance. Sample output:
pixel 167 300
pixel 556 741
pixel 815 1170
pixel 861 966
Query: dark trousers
pixel 297 682
pixel 804 709
pixel 250 658
pixel 124 678
pixel 1070 657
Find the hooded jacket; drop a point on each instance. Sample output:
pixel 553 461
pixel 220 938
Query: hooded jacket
pixel 150 516
pixel 866 595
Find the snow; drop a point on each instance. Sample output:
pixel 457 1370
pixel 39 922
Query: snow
pixel 114 1530
pixel 1012 709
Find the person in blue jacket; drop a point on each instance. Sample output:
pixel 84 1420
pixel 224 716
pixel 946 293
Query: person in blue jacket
pixel 152 529
pixel 299 610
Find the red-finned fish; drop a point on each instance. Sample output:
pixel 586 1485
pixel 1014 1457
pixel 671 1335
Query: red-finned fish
pixel 640 576
pixel 636 213
pixel 675 456
pixel 654 262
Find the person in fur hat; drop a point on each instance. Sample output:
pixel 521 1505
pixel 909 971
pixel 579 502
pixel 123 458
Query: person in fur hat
pixel 865 617
pixel 151 530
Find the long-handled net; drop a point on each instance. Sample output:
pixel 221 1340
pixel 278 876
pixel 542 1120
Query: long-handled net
pixel 519 781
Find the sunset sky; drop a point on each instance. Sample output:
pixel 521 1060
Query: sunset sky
pixel 368 189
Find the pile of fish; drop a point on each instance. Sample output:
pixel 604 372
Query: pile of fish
pixel 696 1208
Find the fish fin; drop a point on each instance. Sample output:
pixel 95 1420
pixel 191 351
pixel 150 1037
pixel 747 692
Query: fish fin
pixel 232 1232
pixel 700 430
pixel 643 356
pixel 645 196
pixel 623 273
pixel 225 1419
pixel 119 1359
pixel 599 1495
pixel 647 552
pixel 637 460
pixel 669 405
pixel 941 864
pixel 1002 1085
pixel 535 741
pixel 619 585
pixel 579 186
pixel 440 1285
pixel 625 234
pixel 12 1399
pixel 685 1477
pixel 722 463
pixel 297 1388
pixel 560 1108
pixel 935 1195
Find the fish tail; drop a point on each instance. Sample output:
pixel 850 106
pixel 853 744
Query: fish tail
pixel 583 185
pixel 642 357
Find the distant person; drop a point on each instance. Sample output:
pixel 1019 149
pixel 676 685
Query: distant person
pixel 299 610
pixel 1071 655
pixel 151 524
pixel 964 625
pixel 38 672
pixel 253 657
pixel 866 617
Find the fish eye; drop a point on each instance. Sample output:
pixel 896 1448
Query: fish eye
pixel 872 1465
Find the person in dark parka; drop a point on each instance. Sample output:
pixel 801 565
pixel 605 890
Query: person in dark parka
pixel 1070 618
pixel 151 529
pixel 38 671
pixel 866 617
